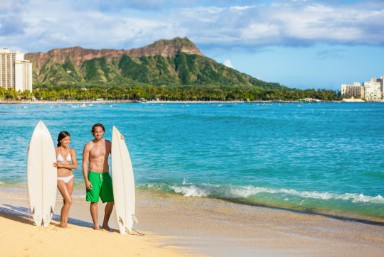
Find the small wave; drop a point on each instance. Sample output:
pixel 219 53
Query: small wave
pixel 190 190
pixel 247 192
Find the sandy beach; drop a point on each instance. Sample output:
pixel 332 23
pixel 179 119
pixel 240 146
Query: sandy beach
pixel 19 237
pixel 172 225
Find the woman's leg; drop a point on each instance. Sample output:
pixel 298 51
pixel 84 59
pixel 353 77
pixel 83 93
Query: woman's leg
pixel 66 191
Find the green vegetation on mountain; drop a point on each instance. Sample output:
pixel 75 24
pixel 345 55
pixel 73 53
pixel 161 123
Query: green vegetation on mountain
pixel 182 70
pixel 174 62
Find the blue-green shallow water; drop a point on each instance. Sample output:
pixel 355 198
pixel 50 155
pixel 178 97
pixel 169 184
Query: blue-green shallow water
pixel 325 157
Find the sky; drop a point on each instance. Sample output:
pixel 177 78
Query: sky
pixel 301 44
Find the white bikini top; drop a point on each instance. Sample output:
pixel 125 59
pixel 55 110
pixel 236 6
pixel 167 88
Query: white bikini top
pixel 61 159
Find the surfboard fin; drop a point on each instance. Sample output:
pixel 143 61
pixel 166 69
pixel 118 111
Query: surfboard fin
pixel 134 218
pixel 33 216
pixel 121 221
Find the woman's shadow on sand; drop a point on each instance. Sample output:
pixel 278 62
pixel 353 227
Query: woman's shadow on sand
pixel 23 215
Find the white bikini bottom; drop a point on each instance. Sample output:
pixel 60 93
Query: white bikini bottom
pixel 65 179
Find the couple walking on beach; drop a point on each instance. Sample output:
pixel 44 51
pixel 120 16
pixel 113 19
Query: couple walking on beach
pixel 98 181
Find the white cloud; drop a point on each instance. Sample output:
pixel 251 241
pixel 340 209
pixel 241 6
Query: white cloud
pixel 228 63
pixel 260 31
pixel 50 24
pixel 287 24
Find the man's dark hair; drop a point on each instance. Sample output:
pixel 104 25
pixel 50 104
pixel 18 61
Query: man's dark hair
pixel 97 125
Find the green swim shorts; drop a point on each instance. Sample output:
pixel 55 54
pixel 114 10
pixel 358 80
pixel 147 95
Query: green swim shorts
pixel 101 187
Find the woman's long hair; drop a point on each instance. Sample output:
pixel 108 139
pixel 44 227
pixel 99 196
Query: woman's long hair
pixel 62 135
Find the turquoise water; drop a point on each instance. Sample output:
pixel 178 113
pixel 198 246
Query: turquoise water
pixel 322 157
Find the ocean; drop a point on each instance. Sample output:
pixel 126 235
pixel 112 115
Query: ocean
pixel 314 157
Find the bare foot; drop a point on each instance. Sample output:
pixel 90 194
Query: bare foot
pixel 62 225
pixel 96 228
pixel 107 228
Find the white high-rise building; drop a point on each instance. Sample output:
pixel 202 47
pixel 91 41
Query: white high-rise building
pixel 23 75
pixel 15 72
pixel 373 90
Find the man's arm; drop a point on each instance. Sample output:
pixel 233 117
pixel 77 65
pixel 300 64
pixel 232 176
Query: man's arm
pixel 85 166
pixel 109 146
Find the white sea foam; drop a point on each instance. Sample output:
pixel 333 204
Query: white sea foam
pixel 188 189
pixel 191 190
pixel 235 192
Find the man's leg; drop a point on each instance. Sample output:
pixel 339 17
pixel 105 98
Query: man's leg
pixel 107 215
pixel 94 214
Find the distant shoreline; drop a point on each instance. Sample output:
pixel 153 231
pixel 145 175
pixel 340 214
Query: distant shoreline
pixel 178 101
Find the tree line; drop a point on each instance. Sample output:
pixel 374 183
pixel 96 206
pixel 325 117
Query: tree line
pixel 170 93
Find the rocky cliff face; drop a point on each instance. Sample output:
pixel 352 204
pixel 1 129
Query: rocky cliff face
pixel 78 55
pixel 166 48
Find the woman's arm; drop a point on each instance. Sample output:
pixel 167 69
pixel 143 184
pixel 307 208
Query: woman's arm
pixel 67 165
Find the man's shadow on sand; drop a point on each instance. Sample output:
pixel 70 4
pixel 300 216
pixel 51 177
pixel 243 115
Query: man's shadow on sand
pixel 23 215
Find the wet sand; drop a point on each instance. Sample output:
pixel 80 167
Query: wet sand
pixel 171 225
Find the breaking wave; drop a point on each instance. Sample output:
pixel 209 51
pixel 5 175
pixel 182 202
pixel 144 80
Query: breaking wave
pixel 236 192
pixel 286 198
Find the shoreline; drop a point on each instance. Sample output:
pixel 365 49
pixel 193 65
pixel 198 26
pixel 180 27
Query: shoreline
pixel 178 101
pixel 79 192
pixel 188 226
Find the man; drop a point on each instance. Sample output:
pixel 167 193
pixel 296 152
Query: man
pixel 97 180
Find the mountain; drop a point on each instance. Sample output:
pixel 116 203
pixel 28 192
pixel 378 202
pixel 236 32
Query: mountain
pixel 165 62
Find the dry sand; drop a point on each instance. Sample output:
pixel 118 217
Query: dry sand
pixel 172 225
pixel 20 238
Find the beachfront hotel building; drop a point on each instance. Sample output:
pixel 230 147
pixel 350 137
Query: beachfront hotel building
pixel 371 91
pixel 374 89
pixel 15 72
pixel 356 90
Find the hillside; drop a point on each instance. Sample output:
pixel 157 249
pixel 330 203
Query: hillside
pixel 175 62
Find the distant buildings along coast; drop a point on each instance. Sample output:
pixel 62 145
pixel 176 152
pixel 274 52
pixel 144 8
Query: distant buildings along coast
pixel 372 91
pixel 15 72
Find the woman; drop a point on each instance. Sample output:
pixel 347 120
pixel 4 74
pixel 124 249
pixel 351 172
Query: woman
pixel 66 161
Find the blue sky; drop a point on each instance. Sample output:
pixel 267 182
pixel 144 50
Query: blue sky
pixel 297 43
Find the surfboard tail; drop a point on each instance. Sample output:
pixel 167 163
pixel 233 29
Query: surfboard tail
pixel 121 221
pixel 37 219
pixel 134 218
pixel 121 226
pixel 129 225
pixel 46 222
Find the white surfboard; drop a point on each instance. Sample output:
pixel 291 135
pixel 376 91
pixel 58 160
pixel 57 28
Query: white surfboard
pixel 123 183
pixel 41 175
